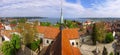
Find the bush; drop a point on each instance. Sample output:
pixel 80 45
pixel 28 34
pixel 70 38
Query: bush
pixel 111 53
pixel 34 45
pixel 11 47
pixel 109 38
pixel 15 41
pixel 7 48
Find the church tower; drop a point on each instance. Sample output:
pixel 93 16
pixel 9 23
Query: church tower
pixel 61 16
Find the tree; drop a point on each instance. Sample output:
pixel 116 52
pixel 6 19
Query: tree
pixel 11 47
pixel 22 20
pixel 15 41
pixel 98 32
pixel 28 32
pixel 68 23
pixel 34 45
pixel 104 51
pixel 7 48
pixel 94 34
pixel 109 37
pixel 13 22
pixel 45 23
pixel 111 53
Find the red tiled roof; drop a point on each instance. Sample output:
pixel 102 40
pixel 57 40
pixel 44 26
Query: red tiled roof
pixel 12 25
pixel 62 46
pixel 76 51
pixel 1 26
pixel 52 32
pixel 7 33
pixel 71 33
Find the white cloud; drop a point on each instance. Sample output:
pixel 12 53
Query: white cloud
pixel 111 8
pixel 51 8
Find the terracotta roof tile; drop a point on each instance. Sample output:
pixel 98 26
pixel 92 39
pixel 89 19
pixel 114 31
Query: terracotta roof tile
pixel 12 25
pixel 76 51
pixel 7 33
pixel 1 26
pixel 71 33
pixel 52 32
pixel 62 46
pixel 66 46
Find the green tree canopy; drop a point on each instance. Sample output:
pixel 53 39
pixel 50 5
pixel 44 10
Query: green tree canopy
pixel 34 45
pixel 7 48
pixel 15 41
pixel 45 23
pixel 98 32
pixel 22 20
pixel 13 22
pixel 109 37
pixel 11 47
pixel 28 32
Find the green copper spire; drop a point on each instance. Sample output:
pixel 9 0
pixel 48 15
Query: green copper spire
pixel 61 17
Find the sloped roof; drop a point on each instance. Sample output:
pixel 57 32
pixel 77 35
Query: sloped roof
pixel 76 51
pixel 62 46
pixel 52 32
pixel 1 26
pixel 7 33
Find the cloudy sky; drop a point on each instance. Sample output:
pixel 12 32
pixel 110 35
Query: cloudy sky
pixel 51 8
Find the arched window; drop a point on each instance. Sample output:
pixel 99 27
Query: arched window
pixel 47 41
pixel 72 43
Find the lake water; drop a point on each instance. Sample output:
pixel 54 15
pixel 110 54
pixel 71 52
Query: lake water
pixel 54 20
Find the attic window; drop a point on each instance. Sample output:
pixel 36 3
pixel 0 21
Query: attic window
pixel 51 41
pixel 76 43
pixel 72 43
pixel 47 41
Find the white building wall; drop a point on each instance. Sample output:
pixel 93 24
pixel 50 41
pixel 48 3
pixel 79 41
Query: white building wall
pixel 47 41
pixel 76 42
pixel 113 33
pixel 8 27
pixel 6 38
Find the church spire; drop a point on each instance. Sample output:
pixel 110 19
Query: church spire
pixel 61 17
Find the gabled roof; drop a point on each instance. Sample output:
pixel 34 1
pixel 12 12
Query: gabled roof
pixel 1 26
pixel 52 32
pixel 7 33
pixel 62 46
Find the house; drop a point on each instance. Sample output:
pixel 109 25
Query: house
pixel 6 35
pixel 88 22
pixel 50 33
pixel 62 46
pixel 69 36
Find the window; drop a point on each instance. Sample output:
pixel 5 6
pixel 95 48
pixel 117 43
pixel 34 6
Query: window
pixel 76 43
pixel 72 43
pixel 51 42
pixel 47 41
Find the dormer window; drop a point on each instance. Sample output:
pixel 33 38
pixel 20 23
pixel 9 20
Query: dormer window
pixel 51 42
pixel 76 43
pixel 47 41
pixel 72 43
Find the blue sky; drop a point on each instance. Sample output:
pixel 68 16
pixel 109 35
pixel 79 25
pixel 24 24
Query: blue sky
pixel 51 8
pixel 87 3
